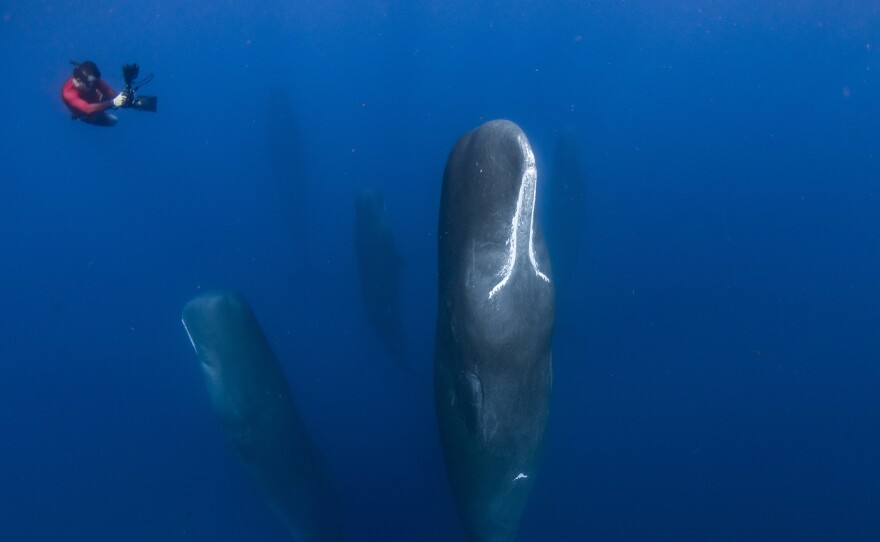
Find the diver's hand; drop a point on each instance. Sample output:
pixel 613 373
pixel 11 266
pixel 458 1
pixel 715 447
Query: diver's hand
pixel 120 100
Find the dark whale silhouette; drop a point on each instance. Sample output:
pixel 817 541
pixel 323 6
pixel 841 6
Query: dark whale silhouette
pixel 379 267
pixel 289 176
pixel 494 326
pixel 251 397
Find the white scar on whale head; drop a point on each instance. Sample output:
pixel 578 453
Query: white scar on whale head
pixel 527 188
pixel 188 334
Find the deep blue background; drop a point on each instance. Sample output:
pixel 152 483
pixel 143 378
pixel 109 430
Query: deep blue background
pixel 716 352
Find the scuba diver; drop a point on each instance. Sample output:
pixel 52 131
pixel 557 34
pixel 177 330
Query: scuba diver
pixel 89 97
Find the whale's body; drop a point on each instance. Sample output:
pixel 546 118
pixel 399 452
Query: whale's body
pixel 494 327
pixel 251 397
pixel 379 269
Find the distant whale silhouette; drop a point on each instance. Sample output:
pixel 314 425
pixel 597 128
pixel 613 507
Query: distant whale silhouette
pixel 566 203
pixel 379 267
pixel 289 174
pixel 494 324
pixel 252 400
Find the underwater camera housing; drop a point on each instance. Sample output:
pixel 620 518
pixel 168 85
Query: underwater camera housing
pixel 135 101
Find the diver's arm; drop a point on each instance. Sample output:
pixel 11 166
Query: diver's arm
pixel 71 96
pixel 106 92
pixel 105 89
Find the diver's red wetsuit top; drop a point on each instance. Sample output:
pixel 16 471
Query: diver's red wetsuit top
pixel 84 103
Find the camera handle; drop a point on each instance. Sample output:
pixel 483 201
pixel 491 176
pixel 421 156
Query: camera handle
pixel 128 92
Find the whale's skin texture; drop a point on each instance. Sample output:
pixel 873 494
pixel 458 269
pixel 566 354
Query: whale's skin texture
pixel 251 398
pixel 493 369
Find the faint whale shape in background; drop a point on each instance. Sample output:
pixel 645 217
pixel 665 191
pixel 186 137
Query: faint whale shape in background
pixel 289 175
pixel 494 325
pixel 566 206
pixel 566 202
pixel 251 397
pixel 379 268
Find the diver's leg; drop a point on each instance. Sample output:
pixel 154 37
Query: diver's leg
pixel 101 119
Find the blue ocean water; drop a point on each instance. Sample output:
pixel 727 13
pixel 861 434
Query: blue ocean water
pixel 716 254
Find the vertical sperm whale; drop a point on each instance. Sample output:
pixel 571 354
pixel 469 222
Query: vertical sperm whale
pixel 250 396
pixel 492 369
pixel 379 268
